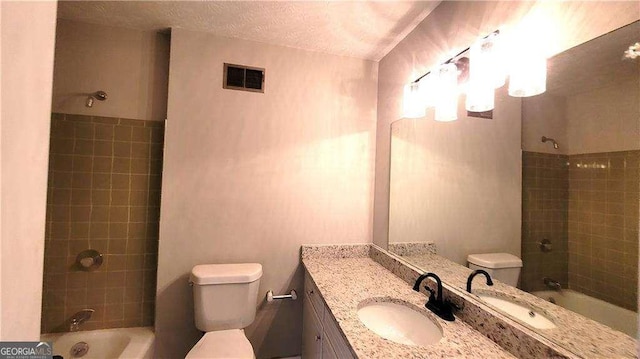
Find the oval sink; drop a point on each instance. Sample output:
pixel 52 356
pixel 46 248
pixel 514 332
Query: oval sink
pixel 399 323
pixel 518 311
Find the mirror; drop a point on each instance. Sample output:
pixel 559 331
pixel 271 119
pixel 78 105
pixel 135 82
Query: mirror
pixel 553 179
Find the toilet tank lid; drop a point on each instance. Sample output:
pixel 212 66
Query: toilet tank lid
pixel 495 260
pixel 225 273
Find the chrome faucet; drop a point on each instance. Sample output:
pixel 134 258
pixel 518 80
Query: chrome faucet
pixel 79 318
pixel 475 273
pixel 552 284
pixel 435 304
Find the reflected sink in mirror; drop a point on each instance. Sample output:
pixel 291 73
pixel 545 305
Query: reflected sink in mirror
pixel 399 323
pixel 516 310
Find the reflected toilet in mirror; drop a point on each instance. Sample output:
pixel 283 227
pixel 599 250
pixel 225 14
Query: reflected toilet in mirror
pixel 504 267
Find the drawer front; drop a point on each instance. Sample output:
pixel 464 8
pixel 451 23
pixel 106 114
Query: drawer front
pixel 332 333
pixel 311 291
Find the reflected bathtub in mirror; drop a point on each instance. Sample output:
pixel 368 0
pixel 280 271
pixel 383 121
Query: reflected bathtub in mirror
pixel 618 318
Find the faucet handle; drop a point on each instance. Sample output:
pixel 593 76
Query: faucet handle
pixel 432 293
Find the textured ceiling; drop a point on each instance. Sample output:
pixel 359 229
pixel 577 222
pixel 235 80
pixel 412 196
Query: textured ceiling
pixel 362 29
pixel 595 64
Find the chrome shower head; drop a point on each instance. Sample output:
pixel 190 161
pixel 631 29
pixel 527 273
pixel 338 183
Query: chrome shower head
pixel 545 139
pixel 98 95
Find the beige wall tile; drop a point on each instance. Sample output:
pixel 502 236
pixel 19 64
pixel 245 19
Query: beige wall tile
pixel 89 206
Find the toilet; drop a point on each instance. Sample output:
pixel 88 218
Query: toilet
pixel 224 300
pixel 504 267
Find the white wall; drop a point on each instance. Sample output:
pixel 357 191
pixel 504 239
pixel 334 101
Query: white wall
pixel 131 66
pixel 600 120
pixel 451 27
pixel 544 115
pixel 249 177
pixel 1 183
pixel 28 32
pixel 604 120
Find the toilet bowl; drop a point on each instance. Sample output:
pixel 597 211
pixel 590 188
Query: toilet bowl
pixel 504 267
pixel 224 304
pixel 231 344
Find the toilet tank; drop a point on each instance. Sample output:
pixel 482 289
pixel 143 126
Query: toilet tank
pixel 504 267
pixel 225 295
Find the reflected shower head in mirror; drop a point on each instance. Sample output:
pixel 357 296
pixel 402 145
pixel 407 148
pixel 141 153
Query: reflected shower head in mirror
pixel 98 95
pixel 545 139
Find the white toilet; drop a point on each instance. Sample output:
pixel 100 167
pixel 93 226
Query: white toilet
pixel 504 267
pixel 224 298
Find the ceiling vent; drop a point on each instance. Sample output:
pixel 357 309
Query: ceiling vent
pixel 238 77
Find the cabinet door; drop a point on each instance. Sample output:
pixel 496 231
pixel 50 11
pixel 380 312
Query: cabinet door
pixel 311 332
pixel 327 349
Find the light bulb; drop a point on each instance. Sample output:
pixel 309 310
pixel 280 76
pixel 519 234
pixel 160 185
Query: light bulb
pixel 528 60
pixel 480 98
pixel 413 106
pixel 528 75
pixel 428 90
pixel 490 59
pixel 486 73
pixel 447 99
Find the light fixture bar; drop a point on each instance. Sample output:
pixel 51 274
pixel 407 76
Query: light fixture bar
pixel 456 56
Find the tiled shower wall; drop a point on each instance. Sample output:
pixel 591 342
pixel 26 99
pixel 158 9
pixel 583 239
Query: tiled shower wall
pixel 103 194
pixel 587 205
pixel 545 200
pixel 603 226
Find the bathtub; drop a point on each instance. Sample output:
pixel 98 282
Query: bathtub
pixel 615 317
pixel 106 343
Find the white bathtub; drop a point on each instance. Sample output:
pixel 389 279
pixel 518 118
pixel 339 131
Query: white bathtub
pixel 606 313
pixel 134 343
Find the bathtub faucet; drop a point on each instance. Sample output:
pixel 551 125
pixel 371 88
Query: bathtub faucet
pixel 79 318
pixel 552 284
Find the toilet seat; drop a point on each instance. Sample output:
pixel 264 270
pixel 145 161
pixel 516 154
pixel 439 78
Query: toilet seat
pixel 229 344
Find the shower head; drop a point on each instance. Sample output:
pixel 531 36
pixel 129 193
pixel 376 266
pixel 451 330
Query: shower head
pixel 545 139
pixel 98 95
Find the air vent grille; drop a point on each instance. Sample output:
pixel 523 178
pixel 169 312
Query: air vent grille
pixel 245 78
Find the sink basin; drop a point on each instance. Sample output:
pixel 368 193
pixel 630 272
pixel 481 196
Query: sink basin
pixel 399 323
pixel 532 317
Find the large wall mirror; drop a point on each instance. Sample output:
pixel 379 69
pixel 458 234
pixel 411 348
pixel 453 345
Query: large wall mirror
pixel 553 179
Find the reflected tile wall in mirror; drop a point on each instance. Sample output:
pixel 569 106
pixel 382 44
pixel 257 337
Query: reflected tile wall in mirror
pixel 545 196
pixel 603 226
pixel 587 206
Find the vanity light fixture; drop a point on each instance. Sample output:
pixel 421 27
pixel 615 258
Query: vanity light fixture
pixel 412 104
pixel 447 97
pixel 486 72
pixel 528 71
pixel 428 93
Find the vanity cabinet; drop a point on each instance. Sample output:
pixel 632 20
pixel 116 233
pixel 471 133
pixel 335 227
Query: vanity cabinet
pixel 311 332
pixel 320 334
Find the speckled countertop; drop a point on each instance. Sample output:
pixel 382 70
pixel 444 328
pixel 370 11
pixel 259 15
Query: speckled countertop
pixel 345 283
pixel 580 335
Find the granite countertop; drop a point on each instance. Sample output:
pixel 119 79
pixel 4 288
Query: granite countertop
pixel 344 283
pixel 580 335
